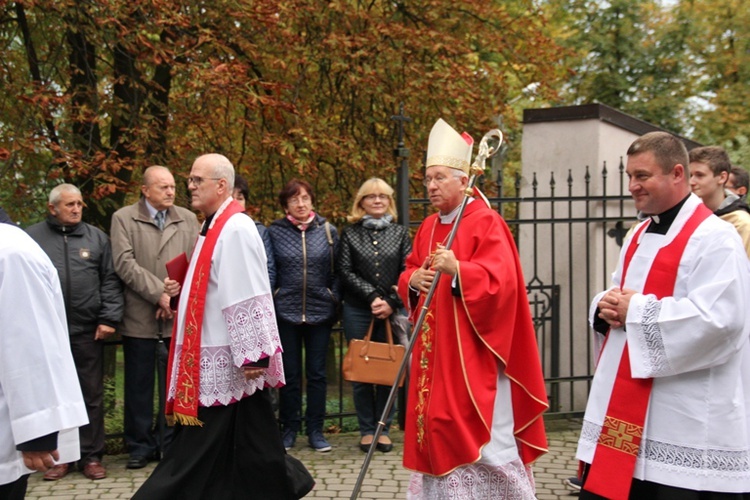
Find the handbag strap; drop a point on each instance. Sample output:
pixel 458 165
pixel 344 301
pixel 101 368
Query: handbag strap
pixel 369 330
pixel 327 227
pixel 388 336
pixel 388 331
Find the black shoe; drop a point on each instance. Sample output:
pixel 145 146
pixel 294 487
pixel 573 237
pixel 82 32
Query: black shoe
pixel 137 462
pixel 365 446
pixel 573 482
pixel 384 447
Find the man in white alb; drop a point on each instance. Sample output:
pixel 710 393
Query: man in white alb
pixel 41 405
pixel 225 351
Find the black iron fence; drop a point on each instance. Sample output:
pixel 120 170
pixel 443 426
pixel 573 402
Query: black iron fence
pixel 569 239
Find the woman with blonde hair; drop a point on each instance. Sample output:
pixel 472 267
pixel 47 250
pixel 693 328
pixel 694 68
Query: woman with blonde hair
pixel 372 254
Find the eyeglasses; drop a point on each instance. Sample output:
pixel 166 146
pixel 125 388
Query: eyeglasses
pixel 199 180
pixel 439 179
pixel 373 197
pixel 299 200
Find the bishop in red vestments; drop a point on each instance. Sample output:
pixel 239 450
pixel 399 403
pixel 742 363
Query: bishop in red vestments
pixel 474 418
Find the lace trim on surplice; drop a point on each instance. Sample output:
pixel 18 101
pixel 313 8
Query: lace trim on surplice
pixel 652 342
pixel 252 329
pixel 511 481
pixel 727 463
pixel 222 383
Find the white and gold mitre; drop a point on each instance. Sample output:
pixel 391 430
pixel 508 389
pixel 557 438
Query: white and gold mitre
pixel 448 148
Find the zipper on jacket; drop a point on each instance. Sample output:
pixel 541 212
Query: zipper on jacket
pixel 67 275
pixel 304 277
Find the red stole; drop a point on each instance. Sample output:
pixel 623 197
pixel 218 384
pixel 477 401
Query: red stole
pixel 611 472
pixel 184 408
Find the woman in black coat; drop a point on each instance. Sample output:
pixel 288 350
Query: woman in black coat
pixel 371 258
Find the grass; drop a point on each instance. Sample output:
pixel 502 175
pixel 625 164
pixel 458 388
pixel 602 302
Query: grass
pixel 114 400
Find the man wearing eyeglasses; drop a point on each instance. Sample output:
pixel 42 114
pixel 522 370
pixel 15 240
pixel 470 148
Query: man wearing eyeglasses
pixel 225 352
pixel 145 236
pixel 476 396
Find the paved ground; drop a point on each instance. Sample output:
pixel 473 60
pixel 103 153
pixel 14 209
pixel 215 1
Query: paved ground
pixel 335 472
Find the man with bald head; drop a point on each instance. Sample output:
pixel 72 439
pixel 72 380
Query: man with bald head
pixel 226 351
pixel 145 236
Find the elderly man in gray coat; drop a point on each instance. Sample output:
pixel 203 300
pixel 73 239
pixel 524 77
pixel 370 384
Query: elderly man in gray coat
pixel 145 236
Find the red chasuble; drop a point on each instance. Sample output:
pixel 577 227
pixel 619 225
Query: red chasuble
pixel 463 343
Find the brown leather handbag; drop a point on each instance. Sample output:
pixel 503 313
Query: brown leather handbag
pixel 373 362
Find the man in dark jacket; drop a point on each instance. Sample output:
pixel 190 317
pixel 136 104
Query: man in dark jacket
pixel 92 292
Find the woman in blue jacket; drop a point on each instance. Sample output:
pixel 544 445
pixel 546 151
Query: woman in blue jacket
pixel 306 297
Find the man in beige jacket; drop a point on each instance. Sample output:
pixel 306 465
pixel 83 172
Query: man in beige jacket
pixel 145 236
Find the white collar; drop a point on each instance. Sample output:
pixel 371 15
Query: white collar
pixel 451 216
pixel 223 206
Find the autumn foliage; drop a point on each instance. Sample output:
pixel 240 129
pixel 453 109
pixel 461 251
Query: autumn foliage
pixel 94 91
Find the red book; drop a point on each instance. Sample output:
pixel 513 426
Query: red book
pixel 176 270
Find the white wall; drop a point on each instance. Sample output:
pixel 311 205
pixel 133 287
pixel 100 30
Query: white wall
pixel 563 148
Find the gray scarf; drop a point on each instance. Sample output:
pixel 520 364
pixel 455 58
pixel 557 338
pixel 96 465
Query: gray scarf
pixel 371 222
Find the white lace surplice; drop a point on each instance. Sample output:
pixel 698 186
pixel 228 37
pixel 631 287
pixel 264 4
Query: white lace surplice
pixel 499 473
pixel 39 390
pixel 239 322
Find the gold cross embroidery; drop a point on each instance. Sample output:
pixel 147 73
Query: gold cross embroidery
pixel 186 395
pixel 620 435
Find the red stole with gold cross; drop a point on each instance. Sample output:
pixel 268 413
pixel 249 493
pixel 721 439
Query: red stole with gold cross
pixel 184 408
pixel 612 468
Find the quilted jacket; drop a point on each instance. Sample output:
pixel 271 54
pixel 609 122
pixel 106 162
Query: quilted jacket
pixel 370 262
pixel 306 288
